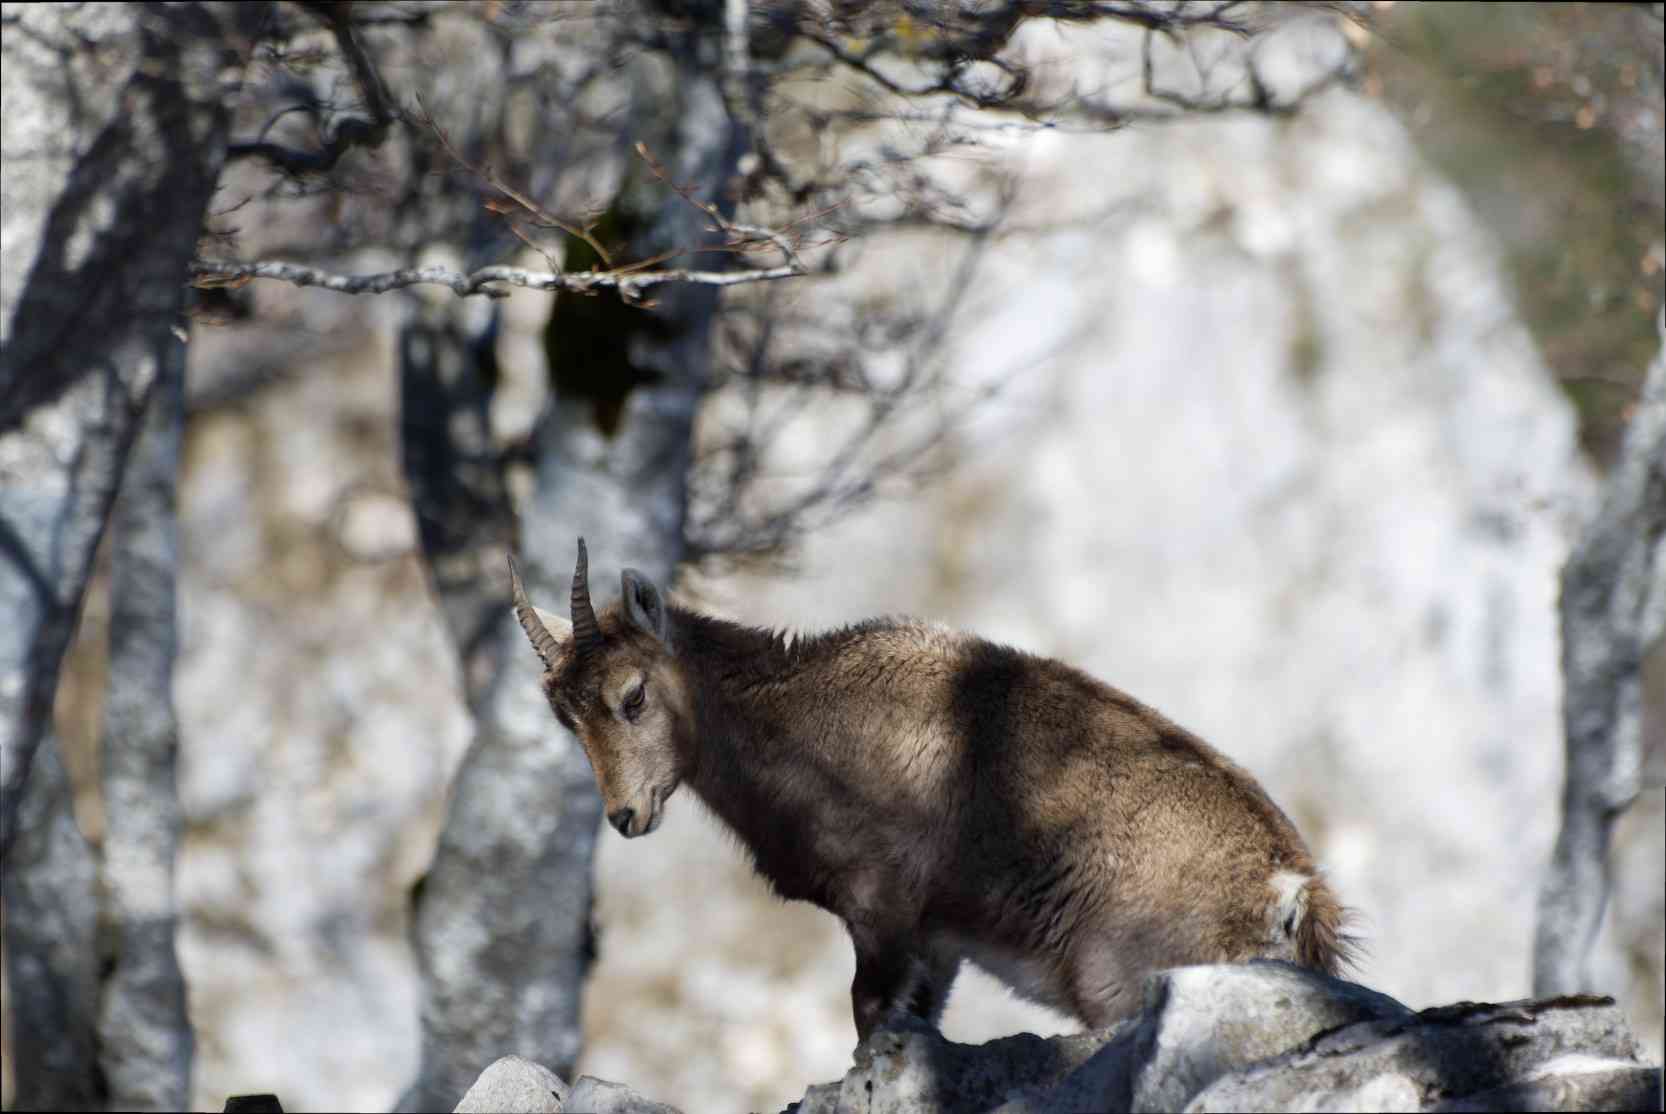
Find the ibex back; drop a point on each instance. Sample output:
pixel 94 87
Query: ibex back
pixel 945 797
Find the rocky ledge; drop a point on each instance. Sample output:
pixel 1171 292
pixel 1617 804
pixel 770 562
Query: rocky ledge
pixel 1263 1036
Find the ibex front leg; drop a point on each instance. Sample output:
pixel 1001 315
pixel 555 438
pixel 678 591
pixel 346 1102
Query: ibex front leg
pixel 894 979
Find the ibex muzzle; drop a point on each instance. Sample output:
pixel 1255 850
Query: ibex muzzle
pixel 945 797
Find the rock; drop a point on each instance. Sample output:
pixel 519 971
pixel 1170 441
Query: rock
pixel 1589 1085
pixel 512 1085
pixel 913 1069
pixel 1448 1053
pixel 597 1096
pixel 1256 1036
pixel 264 1103
pixel 1202 1022
pixel 1266 1036
pixel 821 1098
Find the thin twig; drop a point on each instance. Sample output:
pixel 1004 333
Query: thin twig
pixel 490 177
pixel 721 223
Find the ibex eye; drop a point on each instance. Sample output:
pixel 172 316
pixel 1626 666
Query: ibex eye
pixel 634 700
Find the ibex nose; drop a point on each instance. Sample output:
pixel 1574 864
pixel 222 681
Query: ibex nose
pixel 621 820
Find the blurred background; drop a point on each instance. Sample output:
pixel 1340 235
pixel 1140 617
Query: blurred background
pixel 1283 422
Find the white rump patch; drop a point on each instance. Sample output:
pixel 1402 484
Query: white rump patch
pixel 1289 907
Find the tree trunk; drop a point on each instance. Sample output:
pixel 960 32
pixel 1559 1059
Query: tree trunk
pixel 115 130
pixel 458 490
pixel 1613 609
pixel 502 920
pixel 49 885
pixel 114 136
pixel 144 1035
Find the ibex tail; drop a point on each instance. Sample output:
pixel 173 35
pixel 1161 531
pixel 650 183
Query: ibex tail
pixel 1320 928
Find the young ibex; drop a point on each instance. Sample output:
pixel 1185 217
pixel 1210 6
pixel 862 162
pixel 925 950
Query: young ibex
pixel 945 797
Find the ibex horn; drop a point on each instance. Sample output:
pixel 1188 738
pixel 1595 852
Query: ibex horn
pixel 586 633
pixel 542 640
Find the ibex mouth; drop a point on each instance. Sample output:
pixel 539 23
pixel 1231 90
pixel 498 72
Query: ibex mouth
pixel 656 808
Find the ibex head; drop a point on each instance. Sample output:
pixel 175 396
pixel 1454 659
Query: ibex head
pixel 612 681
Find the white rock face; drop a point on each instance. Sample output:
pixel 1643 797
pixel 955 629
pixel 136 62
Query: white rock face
pixel 1300 480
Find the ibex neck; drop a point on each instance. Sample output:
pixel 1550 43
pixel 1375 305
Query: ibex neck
pixel 773 740
pixel 752 690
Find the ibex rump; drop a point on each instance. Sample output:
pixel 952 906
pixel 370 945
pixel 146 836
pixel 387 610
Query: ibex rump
pixel 945 797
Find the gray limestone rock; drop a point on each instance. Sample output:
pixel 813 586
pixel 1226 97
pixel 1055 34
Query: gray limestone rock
pixel 914 1070
pixel 1266 1036
pixel 1583 1084
pixel 1201 1022
pixel 512 1085
pixel 1444 1054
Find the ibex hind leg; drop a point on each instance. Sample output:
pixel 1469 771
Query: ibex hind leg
pixel 1103 991
pixel 1109 1006
pixel 934 977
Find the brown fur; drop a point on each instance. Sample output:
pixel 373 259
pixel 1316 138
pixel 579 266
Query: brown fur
pixel 947 798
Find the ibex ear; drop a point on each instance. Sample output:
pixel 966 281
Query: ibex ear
pixel 643 605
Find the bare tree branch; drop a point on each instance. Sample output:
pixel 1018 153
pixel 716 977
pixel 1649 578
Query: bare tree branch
pixel 730 519
pixel 957 53
pixel 349 132
pixel 496 181
pixel 488 280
